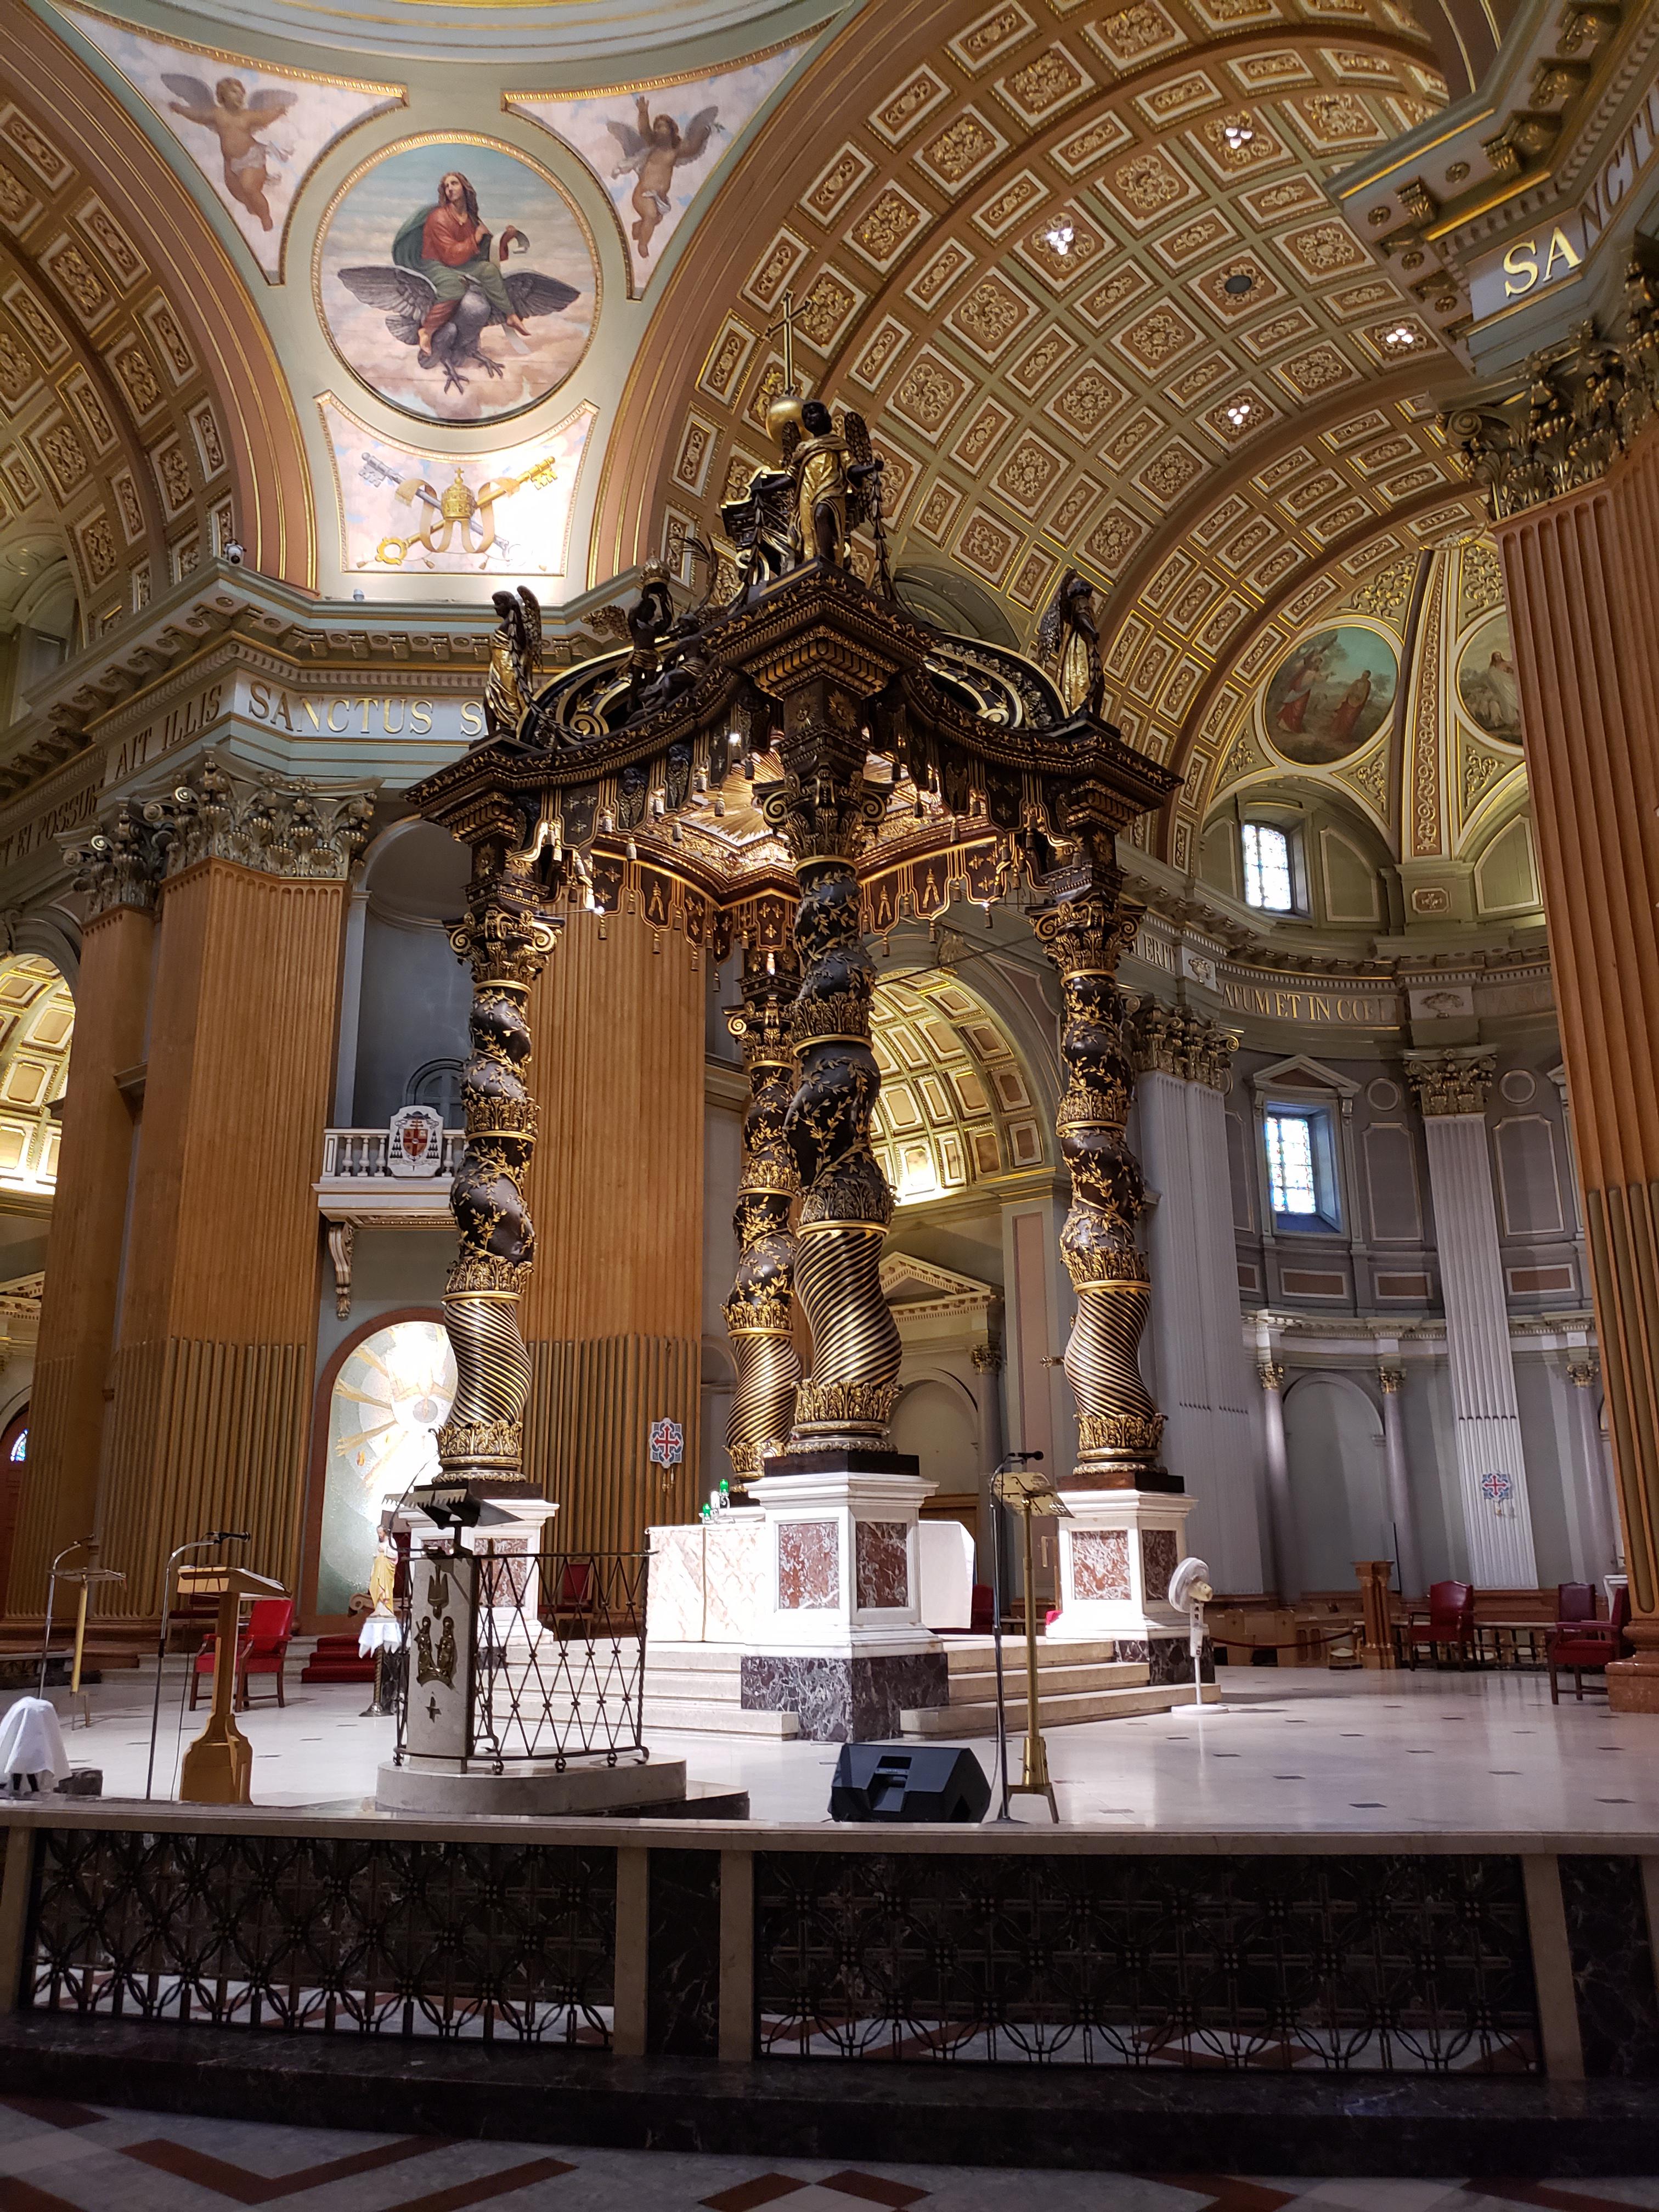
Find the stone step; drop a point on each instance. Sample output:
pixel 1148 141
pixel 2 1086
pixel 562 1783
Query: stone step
pixel 1054 1712
pixel 968 1654
pixel 696 1658
pixel 981 1687
pixel 703 1717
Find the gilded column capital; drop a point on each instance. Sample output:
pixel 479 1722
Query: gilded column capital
pixel 986 1358
pixel 1585 400
pixel 1270 1374
pixel 1176 1041
pixel 1583 1373
pixel 122 862
pixel 1449 1083
pixel 1392 1380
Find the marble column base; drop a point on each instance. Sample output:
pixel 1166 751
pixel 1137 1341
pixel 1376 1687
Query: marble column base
pixel 1118 1550
pixel 418 1786
pixel 1168 1659
pixel 844 1699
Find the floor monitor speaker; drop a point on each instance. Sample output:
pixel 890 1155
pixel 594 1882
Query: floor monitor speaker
pixel 894 1782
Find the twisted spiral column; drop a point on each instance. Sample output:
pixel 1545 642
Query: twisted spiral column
pixel 505 940
pixel 758 1313
pixel 854 1386
pixel 1118 1426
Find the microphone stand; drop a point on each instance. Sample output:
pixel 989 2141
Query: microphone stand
pixel 998 1582
pixel 201 1544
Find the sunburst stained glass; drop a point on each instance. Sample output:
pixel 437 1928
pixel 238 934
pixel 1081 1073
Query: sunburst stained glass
pixel 390 1394
pixel 1291 1164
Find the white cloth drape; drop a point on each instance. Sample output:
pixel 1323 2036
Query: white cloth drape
pixel 32 1743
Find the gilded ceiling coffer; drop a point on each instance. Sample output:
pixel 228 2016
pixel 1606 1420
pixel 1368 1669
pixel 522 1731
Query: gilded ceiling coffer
pixel 1085 924
pixel 504 939
pixel 759 1316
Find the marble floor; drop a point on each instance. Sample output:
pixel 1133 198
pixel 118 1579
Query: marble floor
pixel 1287 1751
pixel 61 2157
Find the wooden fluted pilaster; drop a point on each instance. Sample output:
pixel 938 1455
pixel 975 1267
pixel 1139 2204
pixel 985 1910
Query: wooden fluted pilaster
pixel 212 1379
pixel 612 1316
pixel 83 1252
pixel 1583 577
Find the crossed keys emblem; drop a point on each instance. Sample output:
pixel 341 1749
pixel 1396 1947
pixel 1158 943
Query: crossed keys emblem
pixel 458 518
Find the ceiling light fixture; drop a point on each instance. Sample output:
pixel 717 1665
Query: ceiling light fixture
pixel 1239 413
pixel 1060 235
pixel 1238 283
pixel 1402 334
pixel 1238 136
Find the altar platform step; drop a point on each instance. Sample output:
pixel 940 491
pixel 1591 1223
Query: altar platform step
pixel 1075 1682
pixel 699 1688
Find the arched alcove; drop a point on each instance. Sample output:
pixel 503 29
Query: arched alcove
pixel 412 1007
pixel 1338 1485
pixel 937 1421
pixel 959 1104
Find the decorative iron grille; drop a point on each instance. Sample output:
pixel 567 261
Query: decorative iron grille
pixel 554 1657
pixel 1360 1964
pixel 492 1941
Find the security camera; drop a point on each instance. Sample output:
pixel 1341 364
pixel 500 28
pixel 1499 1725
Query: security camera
pixel 235 553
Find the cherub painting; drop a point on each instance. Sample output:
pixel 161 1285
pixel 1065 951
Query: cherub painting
pixel 236 119
pixel 254 131
pixel 419 291
pixel 651 154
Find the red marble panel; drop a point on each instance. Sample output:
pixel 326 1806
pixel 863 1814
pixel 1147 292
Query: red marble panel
pixel 1100 1562
pixel 883 1564
pixel 1158 1551
pixel 809 1566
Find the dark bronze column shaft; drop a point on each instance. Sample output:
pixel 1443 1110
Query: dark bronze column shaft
pixel 1083 927
pixel 759 1316
pixel 826 812
pixel 504 939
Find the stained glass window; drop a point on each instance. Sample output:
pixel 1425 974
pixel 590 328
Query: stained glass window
pixel 1267 868
pixel 1291 1164
pixel 20 1450
pixel 390 1395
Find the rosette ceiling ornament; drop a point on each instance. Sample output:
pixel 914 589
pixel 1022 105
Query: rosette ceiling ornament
pixel 792 743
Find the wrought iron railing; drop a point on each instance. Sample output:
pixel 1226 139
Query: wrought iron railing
pixel 544 1653
pixel 492 1941
pixel 1357 1965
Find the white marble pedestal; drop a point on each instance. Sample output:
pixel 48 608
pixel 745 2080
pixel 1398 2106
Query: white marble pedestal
pixel 1118 1552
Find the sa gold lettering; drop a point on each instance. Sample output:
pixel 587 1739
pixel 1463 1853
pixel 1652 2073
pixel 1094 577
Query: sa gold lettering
pixel 1560 250
pixel 420 718
pixel 472 721
pixel 1521 261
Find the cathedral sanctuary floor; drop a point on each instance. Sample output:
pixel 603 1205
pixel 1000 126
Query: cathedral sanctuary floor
pixel 1288 1752
pixel 61 2157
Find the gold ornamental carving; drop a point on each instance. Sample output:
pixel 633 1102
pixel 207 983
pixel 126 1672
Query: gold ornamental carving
pixel 1446 1083
pixel 1391 1380
pixel 1174 1041
pixel 1585 401
pixel 1270 1374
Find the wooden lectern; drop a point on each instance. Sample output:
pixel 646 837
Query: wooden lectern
pixel 218 1764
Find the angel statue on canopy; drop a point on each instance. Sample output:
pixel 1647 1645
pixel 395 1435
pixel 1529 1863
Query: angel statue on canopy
pixel 653 153
pixel 515 661
pixel 1068 639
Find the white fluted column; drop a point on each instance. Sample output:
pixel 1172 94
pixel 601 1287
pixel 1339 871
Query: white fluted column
pixel 1451 1089
pixel 1281 1511
pixel 1203 1377
pixel 1603 1556
pixel 1399 1490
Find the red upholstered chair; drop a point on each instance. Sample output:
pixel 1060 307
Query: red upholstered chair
pixel 262 1647
pixel 1574 1602
pixel 1582 1647
pixel 1450 1621
pixel 982 1612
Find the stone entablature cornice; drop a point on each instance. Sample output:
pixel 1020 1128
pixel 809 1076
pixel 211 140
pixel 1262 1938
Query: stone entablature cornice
pixel 1557 138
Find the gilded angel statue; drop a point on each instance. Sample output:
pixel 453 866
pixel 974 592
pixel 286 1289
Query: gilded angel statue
pixel 1068 639
pixel 515 661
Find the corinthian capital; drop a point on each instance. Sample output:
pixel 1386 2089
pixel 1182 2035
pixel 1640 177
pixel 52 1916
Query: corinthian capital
pixel 1450 1082
pixel 1174 1041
